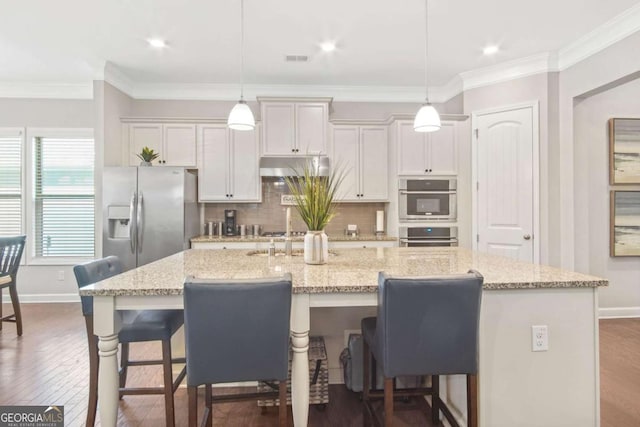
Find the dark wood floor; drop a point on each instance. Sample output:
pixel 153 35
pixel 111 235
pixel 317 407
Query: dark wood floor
pixel 49 365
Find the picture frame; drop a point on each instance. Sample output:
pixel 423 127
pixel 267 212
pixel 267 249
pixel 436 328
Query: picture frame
pixel 624 223
pixel 624 151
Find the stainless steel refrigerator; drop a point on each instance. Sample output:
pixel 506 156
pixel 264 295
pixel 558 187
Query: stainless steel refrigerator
pixel 148 213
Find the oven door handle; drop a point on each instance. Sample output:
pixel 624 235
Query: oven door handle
pixel 427 192
pixel 429 241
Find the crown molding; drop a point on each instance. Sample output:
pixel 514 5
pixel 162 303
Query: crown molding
pixel 118 79
pixel 46 90
pixel 607 34
pixel 530 65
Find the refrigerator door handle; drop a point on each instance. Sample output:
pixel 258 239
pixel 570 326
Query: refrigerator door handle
pixel 140 222
pixel 132 227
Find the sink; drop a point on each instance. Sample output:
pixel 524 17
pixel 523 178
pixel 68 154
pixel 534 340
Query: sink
pixel 280 252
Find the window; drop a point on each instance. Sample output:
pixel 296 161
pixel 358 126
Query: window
pixel 10 182
pixel 63 202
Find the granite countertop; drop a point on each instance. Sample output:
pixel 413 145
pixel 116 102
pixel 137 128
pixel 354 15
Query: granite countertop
pixel 332 238
pixel 348 270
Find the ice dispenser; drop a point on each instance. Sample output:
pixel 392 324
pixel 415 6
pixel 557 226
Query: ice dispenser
pixel 119 222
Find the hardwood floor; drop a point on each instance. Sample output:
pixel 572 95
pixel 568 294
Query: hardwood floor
pixel 49 364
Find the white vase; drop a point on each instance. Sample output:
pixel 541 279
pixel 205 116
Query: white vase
pixel 143 163
pixel 316 247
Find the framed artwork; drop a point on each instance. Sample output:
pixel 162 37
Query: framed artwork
pixel 624 151
pixel 625 223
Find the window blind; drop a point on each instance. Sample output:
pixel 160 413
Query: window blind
pixel 10 185
pixel 64 197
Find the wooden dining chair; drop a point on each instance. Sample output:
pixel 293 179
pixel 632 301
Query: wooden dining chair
pixel 11 249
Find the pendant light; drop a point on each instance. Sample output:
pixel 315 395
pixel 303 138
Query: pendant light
pixel 427 119
pixel 241 117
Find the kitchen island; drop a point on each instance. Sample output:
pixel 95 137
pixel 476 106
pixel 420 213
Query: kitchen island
pixel 516 385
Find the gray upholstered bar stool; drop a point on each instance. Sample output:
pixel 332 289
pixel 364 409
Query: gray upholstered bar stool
pixel 236 330
pixel 11 249
pixel 137 326
pixel 425 326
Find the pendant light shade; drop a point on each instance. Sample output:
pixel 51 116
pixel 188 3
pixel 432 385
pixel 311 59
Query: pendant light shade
pixel 427 119
pixel 241 116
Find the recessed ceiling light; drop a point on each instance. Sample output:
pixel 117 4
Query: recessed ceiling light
pixel 157 43
pixel 328 46
pixel 490 50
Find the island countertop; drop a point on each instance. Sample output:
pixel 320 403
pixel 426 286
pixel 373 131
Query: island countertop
pixel 348 271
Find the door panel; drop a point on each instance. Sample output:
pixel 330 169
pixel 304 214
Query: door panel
pixel 311 128
pixel 179 145
pixel 505 181
pixel 144 135
pixel 442 153
pixel 345 157
pixel 279 124
pixel 213 163
pixel 411 150
pixel 161 225
pixel 244 168
pixel 373 163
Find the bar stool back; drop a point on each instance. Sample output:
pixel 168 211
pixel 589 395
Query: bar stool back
pixel 11 249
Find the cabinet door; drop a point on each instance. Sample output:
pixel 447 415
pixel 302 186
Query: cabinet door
pixel 278 120
pixel 442 153
pixel 144 135
pixel 179 145
pixel 411 150
pixel 311 128
pixel 345 157
pixel 244 173
pixel 373 163
pixel 213 163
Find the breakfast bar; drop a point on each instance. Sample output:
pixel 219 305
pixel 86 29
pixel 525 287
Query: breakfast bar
pixel 516 386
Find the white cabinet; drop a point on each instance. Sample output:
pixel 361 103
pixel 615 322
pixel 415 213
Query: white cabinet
pixel 175 142
pixel 361 152
pixel 427 153
pixel 294 128
pixel 228 169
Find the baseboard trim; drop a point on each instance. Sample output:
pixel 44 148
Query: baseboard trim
pixel 618 312
pixel 43 298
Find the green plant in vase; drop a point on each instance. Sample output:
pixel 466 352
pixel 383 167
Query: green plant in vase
pixel 147 156
pixel 314 198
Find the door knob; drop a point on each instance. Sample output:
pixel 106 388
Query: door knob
pixel 527 237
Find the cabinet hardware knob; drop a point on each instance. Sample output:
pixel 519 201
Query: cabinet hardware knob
pixel 527 237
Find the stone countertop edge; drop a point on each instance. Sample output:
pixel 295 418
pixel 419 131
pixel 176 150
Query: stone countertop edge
pixel 279 239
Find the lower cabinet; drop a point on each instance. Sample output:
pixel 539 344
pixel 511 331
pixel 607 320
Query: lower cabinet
pixel 263 245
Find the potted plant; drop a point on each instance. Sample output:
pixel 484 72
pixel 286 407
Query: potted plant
pixel 147 156
pixel 314 197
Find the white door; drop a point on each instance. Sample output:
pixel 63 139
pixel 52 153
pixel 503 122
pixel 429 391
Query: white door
pixel 244 169
pixel 505 145
pixel 345 158
pixel 278 121
pixel 373 163
pixel 213 164
pixel 179 145
pixel 442 152
pixel 311 128
pixel 144 135
pixel 411 150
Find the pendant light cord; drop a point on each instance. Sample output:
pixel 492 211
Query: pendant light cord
pixel 241 50
pixel 426 48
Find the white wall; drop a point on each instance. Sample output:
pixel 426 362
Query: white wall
pixel 44 283
pixel 591 192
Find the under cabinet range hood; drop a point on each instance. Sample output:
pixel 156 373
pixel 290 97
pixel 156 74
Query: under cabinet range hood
pixel 292 166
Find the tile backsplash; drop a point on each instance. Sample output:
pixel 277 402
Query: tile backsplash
pixel 271 215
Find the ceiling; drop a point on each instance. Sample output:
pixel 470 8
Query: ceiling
pixel 378 42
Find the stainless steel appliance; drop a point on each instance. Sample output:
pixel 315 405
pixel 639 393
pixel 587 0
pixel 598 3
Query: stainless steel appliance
pixel 148 213
pixel 293 166
pixel 427 199
pixel 428 236
pixel 230 222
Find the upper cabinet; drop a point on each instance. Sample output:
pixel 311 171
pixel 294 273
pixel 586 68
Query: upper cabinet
pixel 361 153
pixel 294 128
pixel 175 142
pixel 427 153
pixel 228 169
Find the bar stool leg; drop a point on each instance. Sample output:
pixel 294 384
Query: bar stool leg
pixel 388 402
pixel 472 400
pixel 282 409
pixel 124 364
pixel 435 399
pixel 366 382
pixel 168 382
pixel 193 405
pixel 16 308
pixel 208 404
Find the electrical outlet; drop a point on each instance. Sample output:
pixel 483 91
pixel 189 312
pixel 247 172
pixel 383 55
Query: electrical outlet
pixel 539 338
pixel 61 275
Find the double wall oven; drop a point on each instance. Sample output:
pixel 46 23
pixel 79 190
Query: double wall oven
pixel 420 236
pixel 427 199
